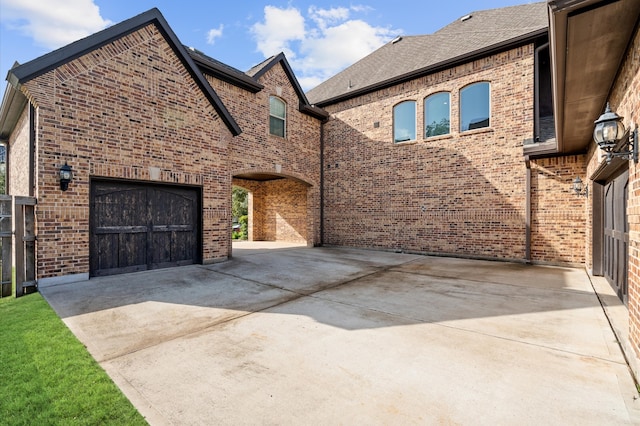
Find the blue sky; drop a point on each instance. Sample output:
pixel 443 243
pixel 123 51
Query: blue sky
pixel 319 38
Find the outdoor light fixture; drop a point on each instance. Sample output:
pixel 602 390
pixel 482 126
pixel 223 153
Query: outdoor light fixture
pixel 613 138
pixel 577 187
pixel 65 176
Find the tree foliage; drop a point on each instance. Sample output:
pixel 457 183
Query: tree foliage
pixel 435 129
pixel 239 202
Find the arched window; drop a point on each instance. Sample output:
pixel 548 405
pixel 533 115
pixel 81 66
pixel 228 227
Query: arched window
pixel 404 121
pixel 437 113
pixel 277 116
pixel 475 107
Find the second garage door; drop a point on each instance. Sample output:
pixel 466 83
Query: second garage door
pixel 137 226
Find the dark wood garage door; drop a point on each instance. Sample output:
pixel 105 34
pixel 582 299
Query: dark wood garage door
pixel 616 234
pixel 135 227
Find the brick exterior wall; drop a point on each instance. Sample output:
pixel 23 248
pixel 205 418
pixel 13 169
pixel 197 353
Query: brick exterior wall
pixel 124 111
pixel 558 215
pixel 625 101
pixel 19 157
pixel 462 194
pixel 277 210
pixel 295 201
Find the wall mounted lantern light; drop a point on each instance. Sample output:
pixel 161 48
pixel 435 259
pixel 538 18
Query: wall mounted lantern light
pixel 577 188
pixel 66 174
pixel 613 138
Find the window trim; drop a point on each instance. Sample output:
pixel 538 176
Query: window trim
pixel 415 121
pixel 284 119
pixel 424 107
pixel 460 106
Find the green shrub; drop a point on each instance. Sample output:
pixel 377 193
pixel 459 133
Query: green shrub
pixel 244 226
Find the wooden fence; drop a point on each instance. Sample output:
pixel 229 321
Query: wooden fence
pixel 17 234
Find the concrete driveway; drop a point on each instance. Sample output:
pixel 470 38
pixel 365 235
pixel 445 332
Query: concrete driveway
pixel 345 336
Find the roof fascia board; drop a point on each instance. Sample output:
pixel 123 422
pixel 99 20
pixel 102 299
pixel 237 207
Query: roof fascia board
pixel 244 83
pixel 314 111
pixel 70 52
pixel 559 12
pixel 440 66
pixel 13 103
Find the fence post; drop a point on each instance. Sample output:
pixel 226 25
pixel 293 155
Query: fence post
pixel 25 243
pixel 6 234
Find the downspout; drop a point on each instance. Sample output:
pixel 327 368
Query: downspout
pixel 527 238
pixel 5 189
pixel 32 144
pixel 322 183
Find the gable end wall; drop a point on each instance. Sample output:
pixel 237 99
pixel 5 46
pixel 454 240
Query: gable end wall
pixel 121 111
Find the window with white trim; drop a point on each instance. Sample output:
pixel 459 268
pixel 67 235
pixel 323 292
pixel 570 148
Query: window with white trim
pixel 437 114
pixel 475 109
pixel 404 121
pixel 277 116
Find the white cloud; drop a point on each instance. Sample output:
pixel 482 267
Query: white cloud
pixel 214 33
pixel 322 45
pixel 324 17
pixel 279 29
pixel 53 23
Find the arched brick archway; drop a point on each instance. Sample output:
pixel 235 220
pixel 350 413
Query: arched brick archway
pixel 280 206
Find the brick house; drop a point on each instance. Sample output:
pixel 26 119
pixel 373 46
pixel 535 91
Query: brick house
pixel 468 140
pixel 145 124
pixel 464 142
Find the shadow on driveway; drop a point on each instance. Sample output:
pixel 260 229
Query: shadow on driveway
pixel 337 335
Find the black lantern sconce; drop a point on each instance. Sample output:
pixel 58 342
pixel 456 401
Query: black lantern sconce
pixel 577 188
pixel 66 174
pixel 613 138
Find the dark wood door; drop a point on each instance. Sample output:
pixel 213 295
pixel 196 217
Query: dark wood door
pixel 616 234
pixel 135 227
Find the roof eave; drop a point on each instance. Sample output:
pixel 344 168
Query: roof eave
pixel 52 60
pixel 449 63
pixel 579 91
pixel 247 83
pixel 304 107
pixel 13 103
pixel 314 111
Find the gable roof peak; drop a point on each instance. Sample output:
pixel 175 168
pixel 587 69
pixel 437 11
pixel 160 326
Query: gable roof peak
pixel 43 64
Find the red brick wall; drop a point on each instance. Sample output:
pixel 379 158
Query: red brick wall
pixel 278 210
pixel 296 157
pixel 558 215
pixel 19 157
pixel 124 111
pixel 462 194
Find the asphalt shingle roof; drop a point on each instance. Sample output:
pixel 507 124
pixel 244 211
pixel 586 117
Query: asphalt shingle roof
pixel 409 55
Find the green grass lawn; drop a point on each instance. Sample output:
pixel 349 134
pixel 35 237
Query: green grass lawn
pixel 47 377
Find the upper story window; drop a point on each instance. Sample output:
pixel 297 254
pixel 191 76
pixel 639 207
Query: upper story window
pixel 437 114
pixel 475 106
pixel 277 116
pixel 404 121
pixel 544 123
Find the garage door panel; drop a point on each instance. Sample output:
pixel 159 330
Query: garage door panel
pixel 142 226
pixel 616 234
pixel 107 251
pixel 183 245
pixel 162 242
pixel 132 250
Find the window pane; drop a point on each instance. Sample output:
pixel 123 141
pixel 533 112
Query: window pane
pixel 474 107
pixel 276 107
pixel 436 115
pixel 404 122
pixel 277 116
pixel 276 126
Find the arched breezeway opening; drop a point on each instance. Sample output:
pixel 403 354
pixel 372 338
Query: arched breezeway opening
pixel 280 208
